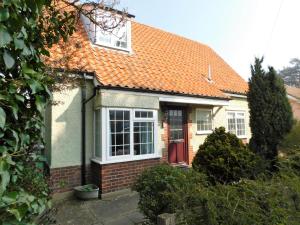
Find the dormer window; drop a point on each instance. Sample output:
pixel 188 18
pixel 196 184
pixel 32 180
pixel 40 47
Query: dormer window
pixel 117 38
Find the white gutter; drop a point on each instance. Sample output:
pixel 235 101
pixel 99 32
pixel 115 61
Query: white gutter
pixel 236 95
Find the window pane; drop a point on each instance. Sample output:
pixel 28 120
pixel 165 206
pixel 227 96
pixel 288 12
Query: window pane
pixel 150 114
pixel 119 115
pixel 176 124
pixel 236 123
pixel 143 114
pixel 112 115
pixel 119 142
pixel 231 123
pixel 137 114
pixel 119 150
pixel 143 138
pixel 204 120
pixel 126 115
pixel 240 127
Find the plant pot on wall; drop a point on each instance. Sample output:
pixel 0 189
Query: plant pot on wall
pixel 86 192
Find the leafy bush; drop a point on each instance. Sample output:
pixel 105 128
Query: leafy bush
pixel 162 188
pixel 264 201
pixel 224 158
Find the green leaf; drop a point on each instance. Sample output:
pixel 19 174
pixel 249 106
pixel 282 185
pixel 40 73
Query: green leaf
pixel 2 118
pixel 10 197
pixel 4 14
pixel 10 161
pixel 24 33
pixel 19 43
pixel 35 86
pixel 27 70
pixel 3 149
pixel 15 109
pixel 40 103
pixel 5 37
pixel 20 98
pixel 26 51
pixel 19 212
pixel 8 60
pixel 4 174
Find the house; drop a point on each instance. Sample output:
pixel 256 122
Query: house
pixel 294 99
pixel 146 96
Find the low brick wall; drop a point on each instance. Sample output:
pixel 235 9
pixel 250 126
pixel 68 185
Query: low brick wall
pixel 65 178
pixel 117 176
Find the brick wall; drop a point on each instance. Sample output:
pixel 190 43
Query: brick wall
pixel 165 139
pixel 65 178
pixel 117 176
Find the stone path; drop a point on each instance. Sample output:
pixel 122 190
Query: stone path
pixel 118 210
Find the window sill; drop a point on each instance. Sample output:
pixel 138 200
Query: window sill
pixel 204 132
pixel 99 44
pixel 242 137
pixel 127 159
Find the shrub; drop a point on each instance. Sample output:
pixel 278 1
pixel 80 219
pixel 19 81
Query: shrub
pixel 162 189
pixel 224 158
pixel 292 139
pixel 165 189
pixel 259 202
pixel 271 115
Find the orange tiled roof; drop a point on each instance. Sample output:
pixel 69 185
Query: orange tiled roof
pixel 293 91
pixel 160 61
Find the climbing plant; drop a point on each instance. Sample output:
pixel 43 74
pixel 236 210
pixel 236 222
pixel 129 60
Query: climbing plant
pixel 27 29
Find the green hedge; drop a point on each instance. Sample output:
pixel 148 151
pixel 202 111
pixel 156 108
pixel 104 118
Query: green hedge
pixel 165 189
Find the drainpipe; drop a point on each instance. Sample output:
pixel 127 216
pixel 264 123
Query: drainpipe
pixel 84 101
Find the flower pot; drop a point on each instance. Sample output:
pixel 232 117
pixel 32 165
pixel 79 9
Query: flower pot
pixel 85 192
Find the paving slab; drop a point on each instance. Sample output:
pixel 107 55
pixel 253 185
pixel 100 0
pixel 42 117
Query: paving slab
pixel 119 210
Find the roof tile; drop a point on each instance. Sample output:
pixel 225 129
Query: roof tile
pixel 159 61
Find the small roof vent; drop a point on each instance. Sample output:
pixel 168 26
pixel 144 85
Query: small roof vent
pixel 209 77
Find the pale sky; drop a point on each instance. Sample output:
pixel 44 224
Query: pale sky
pixel 238 30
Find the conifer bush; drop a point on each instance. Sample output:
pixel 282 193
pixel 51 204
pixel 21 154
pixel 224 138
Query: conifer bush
pixel 225 159
pixel 270 112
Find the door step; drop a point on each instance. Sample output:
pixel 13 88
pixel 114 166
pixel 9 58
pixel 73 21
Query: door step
pixel 181 165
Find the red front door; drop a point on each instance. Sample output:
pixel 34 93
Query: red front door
pixel 177 135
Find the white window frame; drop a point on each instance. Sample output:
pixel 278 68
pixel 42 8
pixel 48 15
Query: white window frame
pixel 236 112
pixel 105 156
pixel 110 45
pixel 212 121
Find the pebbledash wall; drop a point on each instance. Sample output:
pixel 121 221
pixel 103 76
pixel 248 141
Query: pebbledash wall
pixel 63 137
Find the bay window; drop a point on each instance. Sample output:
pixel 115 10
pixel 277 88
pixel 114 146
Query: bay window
pixel 127 134
pixel 236 123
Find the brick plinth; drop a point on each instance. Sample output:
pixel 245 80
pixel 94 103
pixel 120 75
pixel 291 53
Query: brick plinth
pixel 117 176
pixel 65 178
